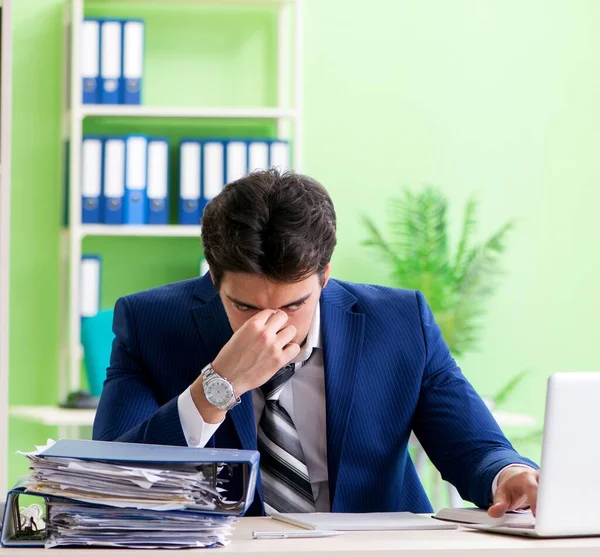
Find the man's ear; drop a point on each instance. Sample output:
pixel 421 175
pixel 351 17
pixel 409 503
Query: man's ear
pixel 326 274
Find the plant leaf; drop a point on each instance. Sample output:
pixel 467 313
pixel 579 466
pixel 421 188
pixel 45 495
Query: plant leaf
pixel 377 240
pixel 503 394
pixel 419 257
pixel 468 229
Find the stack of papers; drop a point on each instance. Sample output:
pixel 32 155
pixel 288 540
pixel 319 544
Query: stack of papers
pixel 73 524
pixel 154 488
pixel 119 504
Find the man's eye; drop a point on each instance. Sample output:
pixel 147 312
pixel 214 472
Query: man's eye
pixel 241 308
pixel 295 307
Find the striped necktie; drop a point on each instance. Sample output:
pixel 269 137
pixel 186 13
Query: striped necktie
pixel 285 481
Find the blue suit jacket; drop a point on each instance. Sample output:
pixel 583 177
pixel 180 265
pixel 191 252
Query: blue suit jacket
pixel 387 371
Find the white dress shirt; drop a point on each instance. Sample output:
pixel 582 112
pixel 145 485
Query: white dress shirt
pixel 306 390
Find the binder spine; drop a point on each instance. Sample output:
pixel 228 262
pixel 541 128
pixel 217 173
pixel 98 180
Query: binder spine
pixel 110 61
pixel 133 61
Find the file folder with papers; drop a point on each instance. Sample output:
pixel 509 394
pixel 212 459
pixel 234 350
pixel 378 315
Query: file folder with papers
pixel 89 294
pixel 90 61
pixel 189 182
pixel 132 495
pixel 113 189
pixel 110 61
pixel 136 150
pixel 91 179
pixel 133 60
pixel 158 181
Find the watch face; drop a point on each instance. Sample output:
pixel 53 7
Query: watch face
pixel 218 392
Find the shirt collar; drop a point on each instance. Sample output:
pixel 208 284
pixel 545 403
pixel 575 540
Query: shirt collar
pixel 313 338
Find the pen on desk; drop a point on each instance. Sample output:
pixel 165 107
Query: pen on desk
pixel 256 535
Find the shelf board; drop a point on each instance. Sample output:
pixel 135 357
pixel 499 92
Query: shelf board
pixel 202 2
pixel 141 111
pixel 53 415
pixel 148 230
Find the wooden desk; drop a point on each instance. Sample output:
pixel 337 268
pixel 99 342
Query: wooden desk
pixel 438 543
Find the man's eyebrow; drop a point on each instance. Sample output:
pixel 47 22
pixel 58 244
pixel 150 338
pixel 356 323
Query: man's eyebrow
pixel 250 306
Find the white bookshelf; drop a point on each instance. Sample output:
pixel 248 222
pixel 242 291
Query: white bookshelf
pixel 227 2
pixel 167 231
pixel 287 115
pixel 54 416
pixel 5 168
pixel 132 111
pixel 68 421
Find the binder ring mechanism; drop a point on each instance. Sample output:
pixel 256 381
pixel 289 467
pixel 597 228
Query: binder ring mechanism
pixel 28 522
pixel 222 503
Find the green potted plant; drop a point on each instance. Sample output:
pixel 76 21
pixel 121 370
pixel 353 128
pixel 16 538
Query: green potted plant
pixel 456 281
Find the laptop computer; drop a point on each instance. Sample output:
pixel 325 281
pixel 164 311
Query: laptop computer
pixel 569 483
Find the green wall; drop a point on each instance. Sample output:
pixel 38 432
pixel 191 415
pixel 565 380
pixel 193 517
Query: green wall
pixel 492 97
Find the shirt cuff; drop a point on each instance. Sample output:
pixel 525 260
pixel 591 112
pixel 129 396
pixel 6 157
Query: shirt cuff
pixel 196 431
pixel 495 482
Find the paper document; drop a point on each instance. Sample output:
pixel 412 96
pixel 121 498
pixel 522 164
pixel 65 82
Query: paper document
pixel 480 516
pixel 349 522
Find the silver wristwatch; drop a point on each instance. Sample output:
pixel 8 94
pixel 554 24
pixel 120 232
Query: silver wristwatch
pixel 217 390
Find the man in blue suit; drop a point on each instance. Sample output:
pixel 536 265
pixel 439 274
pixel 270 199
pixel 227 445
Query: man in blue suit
pixel 325 378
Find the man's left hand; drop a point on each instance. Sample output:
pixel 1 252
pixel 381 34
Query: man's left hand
pixel 517 489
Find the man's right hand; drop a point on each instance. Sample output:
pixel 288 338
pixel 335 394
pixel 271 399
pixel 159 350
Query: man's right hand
pixel 256 351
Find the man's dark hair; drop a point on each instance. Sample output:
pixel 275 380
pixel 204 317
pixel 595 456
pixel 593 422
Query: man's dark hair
pixel 279 226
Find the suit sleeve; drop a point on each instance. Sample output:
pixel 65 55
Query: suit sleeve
pixel 128 409
pixel 453 423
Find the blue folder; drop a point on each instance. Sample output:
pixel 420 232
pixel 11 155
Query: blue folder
pixel 136 175
pixel 133 61
pixel 190 178
pixel 114 451
pixel 158 181
pixel 91 284
pixel 279 155
pixel 91 179
pixel 90 61
pixel 113 180
pixel 236 160
pixel 111 61
pixel 213 170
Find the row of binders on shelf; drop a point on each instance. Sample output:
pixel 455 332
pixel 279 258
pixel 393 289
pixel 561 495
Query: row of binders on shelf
pixel 90 281
pixel 125 180
pixel 112 61
pixel 207 165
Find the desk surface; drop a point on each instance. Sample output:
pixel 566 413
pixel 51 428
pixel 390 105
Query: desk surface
pixel 431 543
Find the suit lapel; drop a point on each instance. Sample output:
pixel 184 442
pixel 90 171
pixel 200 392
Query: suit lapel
pixel 215 331
pixel 343 333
